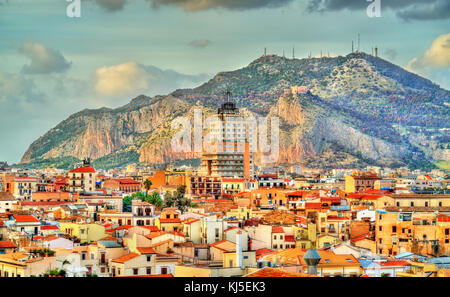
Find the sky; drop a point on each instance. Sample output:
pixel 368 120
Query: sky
pixel 52 65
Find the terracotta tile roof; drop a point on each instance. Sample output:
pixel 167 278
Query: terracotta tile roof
pixel 289 256
pixel 7 244
pixel 126 258
pixel 127 181
pixel 124 227
pixel 146 250
pixel 394 263
pixel 83 169
pixel 165 221
pixel 276 229
pixel 224 245
pixel 190 221
pixel 1 223
pixel 232 180
pixel 233 228
pixel 49 227
pixel 155 234
pixel 151 228
pixel 25 218
pixel 261 252
pixel 289 238
pixel 276 272
pixel 39 203
pixel 268 175
pixel 360 237
pixel 296 193
pixel 313 205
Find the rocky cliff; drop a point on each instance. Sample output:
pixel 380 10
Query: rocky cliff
pixel 359 110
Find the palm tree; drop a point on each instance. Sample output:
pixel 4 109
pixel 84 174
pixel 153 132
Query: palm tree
pixel 147 184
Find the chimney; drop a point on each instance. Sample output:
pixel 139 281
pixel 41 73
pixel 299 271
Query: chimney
pixel 312 259
pixel 239 249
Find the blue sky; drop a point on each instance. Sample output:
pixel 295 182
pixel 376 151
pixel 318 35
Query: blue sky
pixel 52 66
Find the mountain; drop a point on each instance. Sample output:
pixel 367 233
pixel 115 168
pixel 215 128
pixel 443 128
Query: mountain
pixel 358 110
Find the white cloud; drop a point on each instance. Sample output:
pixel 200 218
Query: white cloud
pixel 123 79
pixel 434 63
pixel 436 56
pixel 133 79
pixel 43 59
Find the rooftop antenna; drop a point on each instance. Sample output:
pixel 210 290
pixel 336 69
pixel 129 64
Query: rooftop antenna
pixel 353 50
pixel 321 53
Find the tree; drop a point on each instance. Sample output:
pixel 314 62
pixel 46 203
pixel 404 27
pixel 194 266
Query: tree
pixel 155 199
pixel 178 199
pixel 147 184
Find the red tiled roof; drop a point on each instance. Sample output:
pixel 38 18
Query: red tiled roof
pixel 394 263
pixel 443 218
pixel 152 228
pixel 126 258
pixel 49 227
pixel 146 250
pixel 268 175
pixel 296 193
pixel 155 234
pixel 190 221
pixel 232 228
pixel 289 238
pixel 178 220
pixel 127 181
pixel 124 227
pixel 218 242
pixel 7 244
pixel 359 238
pixel 1 223
pixel 262 252
pixel 276 229
pixel 83 169
pixel 313 205
pixel 231 180
pixel 25 218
